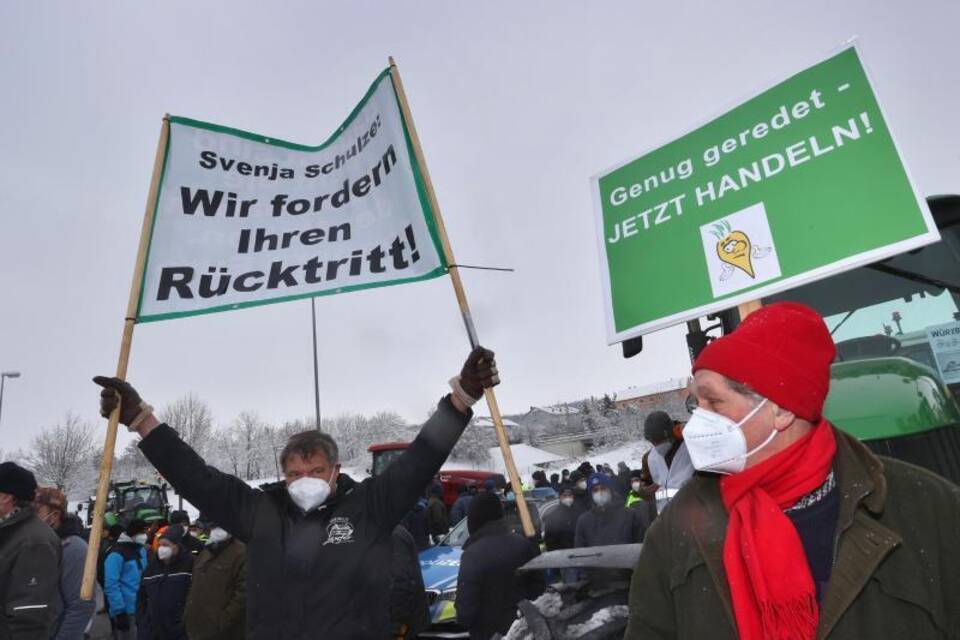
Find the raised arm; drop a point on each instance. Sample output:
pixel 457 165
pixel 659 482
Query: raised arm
pixel 229 500
pixel 394 492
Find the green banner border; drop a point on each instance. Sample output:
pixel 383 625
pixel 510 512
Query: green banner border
pixel 428 213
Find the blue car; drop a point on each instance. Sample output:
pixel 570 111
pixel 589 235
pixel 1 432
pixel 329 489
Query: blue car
pixel 440 566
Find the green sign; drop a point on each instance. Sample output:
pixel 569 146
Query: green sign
pixel 797 183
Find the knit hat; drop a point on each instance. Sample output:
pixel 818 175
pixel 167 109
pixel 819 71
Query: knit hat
pixel 136 526
pixel 485 508
pixel 599 479
pixel 657 426
pixel 179 517
pixel 173 533
pixel 783 352
pixel 50 497
pixel 17 481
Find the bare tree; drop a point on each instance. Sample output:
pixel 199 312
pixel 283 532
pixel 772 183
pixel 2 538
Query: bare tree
pixel 60 453
pixel 191 418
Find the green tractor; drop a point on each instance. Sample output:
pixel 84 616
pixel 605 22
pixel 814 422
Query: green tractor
pixel 134 499
pixel 895 381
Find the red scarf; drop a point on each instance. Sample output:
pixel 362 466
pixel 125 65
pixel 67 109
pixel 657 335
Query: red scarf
pixel 767 570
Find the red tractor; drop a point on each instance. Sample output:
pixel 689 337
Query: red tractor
pixel 450 479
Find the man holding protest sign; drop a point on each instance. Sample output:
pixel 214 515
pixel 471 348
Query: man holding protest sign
pixel 319 543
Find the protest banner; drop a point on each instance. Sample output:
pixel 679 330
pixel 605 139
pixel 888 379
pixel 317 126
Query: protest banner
pixel 799 182
pixel 237 219
pixel 243 219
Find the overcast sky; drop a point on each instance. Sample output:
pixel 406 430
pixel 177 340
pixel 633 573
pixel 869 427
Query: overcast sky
pixel 517 105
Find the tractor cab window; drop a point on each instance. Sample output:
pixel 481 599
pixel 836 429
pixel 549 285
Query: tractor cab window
pixel 896 307
pixel 142 497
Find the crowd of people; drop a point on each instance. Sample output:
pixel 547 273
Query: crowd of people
pixel 168 580
pixel 759 519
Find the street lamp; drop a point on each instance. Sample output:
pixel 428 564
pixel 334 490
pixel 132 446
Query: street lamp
pixel 3 378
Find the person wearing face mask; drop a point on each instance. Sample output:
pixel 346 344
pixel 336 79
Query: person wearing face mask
pixel 608 521
pixel 29 559
pixel 216 604
pixel 560 525
pixel 318 543
pixel 162 599
pixel 488 585
pixel 122 570
pixel 193 545
pixel 71 615
pixel 796 529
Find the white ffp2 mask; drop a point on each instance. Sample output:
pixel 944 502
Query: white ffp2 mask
pixel 164 553
pixel 309 493
pixel 218 535
pixel 716 443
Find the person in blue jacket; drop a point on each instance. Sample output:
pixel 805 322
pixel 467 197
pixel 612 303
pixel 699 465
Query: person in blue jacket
pixel 122 569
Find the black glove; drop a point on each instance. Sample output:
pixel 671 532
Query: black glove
pixel 114 390
pixel 122 622
pixel 479 372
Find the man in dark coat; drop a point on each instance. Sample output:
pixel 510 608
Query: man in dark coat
pixel 162 598
pixel 862 546
pixel 437 518
pixel 29 559
pixel 216 604
pixel 488 587
pixel 560 524
pixel 409 614
pixel 319 542
pixel 461 506
pixel 609 521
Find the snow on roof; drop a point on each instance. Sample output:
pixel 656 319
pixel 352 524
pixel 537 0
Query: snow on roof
pixel 664 386
pixel 557 410
pixel 487 421
pixel 525 457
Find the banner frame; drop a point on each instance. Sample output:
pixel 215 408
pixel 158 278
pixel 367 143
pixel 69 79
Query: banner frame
pixel 429 215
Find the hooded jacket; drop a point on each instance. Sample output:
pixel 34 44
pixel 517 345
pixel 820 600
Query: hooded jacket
pixel 896 558
pixel 488 587
pixel 217 599
pixel 122 568
pixel 322 574
pixel 29 576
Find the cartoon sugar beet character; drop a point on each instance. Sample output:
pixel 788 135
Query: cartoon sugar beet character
pixel 735 250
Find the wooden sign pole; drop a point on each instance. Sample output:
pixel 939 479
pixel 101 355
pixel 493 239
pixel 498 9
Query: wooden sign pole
pixel 458 289
pixel 96 533
pixel 747 308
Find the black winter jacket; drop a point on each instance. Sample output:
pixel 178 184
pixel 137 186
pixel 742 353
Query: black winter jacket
pixel 29 576
pixel 613 524
pixel 324 574
pixel 162 599
pixel 559 527
pixel 408 597
pixel 488 586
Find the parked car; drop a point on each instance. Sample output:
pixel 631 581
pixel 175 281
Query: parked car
pixel 441 564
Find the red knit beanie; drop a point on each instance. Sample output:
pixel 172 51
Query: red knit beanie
pixel 783 352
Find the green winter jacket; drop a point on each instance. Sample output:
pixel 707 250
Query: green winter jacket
pixel 896 570
pixel 216 605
